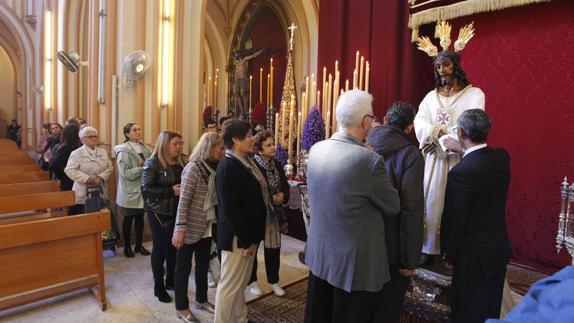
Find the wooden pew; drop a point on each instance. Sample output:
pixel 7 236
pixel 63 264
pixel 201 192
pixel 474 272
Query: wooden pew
pixel 36 201
pixel 21 177
pixel 17 162
pixel 7 155
pixel 44 258
pixel 12 168
pixel 29 188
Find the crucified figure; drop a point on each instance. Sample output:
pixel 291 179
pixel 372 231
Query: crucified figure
pixel 241 90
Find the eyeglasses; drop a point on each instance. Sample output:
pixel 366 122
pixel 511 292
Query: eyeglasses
pixel 372 117
pixel 92 137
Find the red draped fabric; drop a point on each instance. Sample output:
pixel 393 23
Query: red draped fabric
pixel 520 57
pixel 378 29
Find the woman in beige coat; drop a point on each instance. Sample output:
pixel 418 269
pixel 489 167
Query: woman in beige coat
pixel 88 165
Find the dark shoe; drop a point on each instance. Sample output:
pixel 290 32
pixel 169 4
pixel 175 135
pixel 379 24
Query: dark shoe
pixel 302 257
pixel 207 306
pixel 426 259
pixel 142 250
pixel 169 284
pixel 128 252
pixel 189 318
pixel 162 295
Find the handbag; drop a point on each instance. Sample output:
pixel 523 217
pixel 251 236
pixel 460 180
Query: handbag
pixel 95 202
pixel 167 222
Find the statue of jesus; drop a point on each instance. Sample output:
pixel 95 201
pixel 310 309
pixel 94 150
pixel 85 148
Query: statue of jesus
pixel 438 112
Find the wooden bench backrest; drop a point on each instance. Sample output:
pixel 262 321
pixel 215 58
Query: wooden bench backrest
pixel 47 257
pixel 29 188
pixel 33 176
pixel 36 201
pixel 11 168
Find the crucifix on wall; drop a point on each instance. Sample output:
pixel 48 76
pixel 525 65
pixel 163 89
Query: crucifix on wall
pixel 292 31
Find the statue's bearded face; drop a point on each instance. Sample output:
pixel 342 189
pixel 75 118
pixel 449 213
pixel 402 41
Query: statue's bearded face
pixel 445 70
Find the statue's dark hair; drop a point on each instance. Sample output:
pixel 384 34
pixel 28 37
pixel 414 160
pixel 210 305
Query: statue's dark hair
pixel 458 71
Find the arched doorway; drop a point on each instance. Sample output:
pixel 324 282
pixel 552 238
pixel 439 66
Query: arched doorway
pixel 260 26
pixel 26 111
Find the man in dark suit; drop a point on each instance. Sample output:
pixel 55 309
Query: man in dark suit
pixel 474 238
pixel 404 234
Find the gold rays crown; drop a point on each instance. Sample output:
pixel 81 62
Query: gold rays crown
pixel 442 32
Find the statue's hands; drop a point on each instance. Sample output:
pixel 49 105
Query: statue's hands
pixel 429 148
pixel 406 272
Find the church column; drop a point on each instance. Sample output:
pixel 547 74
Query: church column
pixel 93 32
pixel 110 69
pixel 192 69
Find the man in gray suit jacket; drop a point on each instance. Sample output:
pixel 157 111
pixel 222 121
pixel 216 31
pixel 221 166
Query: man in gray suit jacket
pixel 349 192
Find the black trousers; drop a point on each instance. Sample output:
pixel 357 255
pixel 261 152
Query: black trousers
pixel 390 301
pixel 271 265
pixel 329 304
pixel 130 215
pixel 202 250
pixel 163 252
pixel 475 296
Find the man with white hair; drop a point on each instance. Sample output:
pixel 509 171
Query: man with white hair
pixel 349 192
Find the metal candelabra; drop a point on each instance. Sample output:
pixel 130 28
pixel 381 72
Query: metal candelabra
pixel 565 235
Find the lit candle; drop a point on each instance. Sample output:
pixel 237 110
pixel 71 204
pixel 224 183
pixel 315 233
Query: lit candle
pixel 328 125
pixel 271 100
pixel 216 88
pixel 347 85
pixel 330 93
pixel 291 130
pixel 306 102
pixel 299 133
pixel 215 94
pixel 209 91
pixel 367 77
pixel 361 73
pixel 277 128
pixel 325 97
pixel 318 99
pixel 357 61
pixel 250 90
pixel 261 85
pixel 268 89
pixel 303 99
pixel 335 100
pixel 313 95
pixel 336 66
pixel 355 80
pixel 283 119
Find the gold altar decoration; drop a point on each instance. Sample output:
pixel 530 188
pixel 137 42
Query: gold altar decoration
pixel 428 11
pixel 442 31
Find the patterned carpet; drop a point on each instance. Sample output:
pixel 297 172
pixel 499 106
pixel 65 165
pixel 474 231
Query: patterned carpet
pixel 289 308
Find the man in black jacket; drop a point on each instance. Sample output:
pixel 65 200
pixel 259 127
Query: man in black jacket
pixel 474 238
pixel 405 166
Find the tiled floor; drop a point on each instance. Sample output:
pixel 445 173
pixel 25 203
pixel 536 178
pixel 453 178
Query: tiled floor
pixel 129 289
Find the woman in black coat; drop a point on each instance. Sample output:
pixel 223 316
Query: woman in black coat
pixel 243 203
pixel 61 152
pixel 276 221
pixel 161 179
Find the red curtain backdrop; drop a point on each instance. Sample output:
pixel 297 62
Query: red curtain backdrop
pixel 521 58
pixel 378 29
pixel 267 31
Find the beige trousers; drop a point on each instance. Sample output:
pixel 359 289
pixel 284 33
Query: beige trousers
pixel 236 269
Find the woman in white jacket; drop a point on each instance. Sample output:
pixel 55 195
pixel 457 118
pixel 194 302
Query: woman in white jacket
pixel 87 165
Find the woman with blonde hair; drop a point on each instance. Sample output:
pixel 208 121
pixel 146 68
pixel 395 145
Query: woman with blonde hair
pixel 193 225
pixel 160 189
